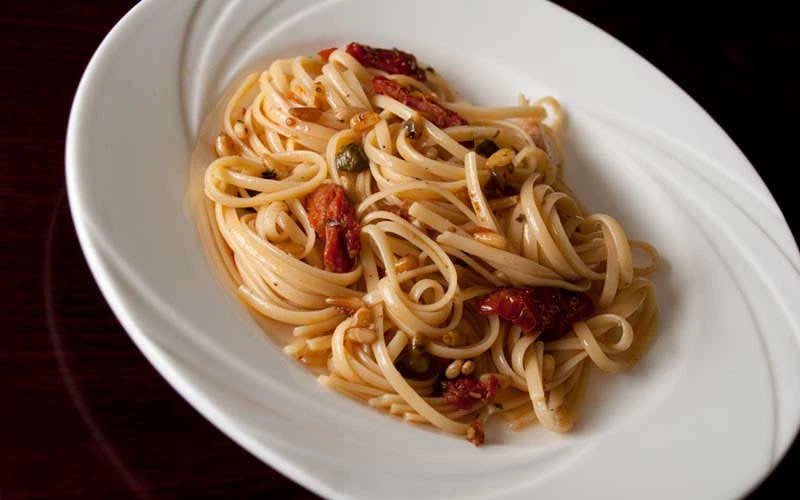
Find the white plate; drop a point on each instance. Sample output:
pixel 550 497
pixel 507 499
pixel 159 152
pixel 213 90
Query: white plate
pixel 707 413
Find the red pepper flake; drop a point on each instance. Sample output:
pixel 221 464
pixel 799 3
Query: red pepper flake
pixel 334 220
pixel 392 61
pixel 548 311
pixel 466 391
pixel 325 54
pixel 426 105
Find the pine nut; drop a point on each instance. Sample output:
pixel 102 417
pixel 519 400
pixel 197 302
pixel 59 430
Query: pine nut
pixel 240 129
pixel 363 317
pixel 407 263
pixel 353 303
pixel 501 158
pixel 224 146
pixel 490 238
pixel 364 120
pixel 454 370
pixel 468 368
pixel 362 335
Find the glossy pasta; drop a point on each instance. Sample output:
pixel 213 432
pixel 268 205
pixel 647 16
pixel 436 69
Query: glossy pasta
pixel 446 216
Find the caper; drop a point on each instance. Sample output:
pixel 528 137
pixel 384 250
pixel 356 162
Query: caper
pixel 352 159
pixel 411 363
pixel 419 363
pixel 414 362
pixel 499 180
pixel 487 148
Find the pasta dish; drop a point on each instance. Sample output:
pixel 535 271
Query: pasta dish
pixel 427 252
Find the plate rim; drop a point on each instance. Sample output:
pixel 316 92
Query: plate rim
pixel 165 363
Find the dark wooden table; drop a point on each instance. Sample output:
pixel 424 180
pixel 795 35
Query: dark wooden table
pixel 84 415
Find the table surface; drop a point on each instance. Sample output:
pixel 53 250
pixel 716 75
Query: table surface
pixel 84 415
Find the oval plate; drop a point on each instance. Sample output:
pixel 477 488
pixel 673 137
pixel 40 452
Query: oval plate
pixel 707 413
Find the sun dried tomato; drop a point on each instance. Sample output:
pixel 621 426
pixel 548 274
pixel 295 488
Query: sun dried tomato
pixel 466 391
pixel 426 105
pixel 325 54
pixel 392 61
pixel 334 220
pixel 548 311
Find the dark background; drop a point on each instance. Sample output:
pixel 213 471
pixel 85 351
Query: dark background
pixel 83 414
